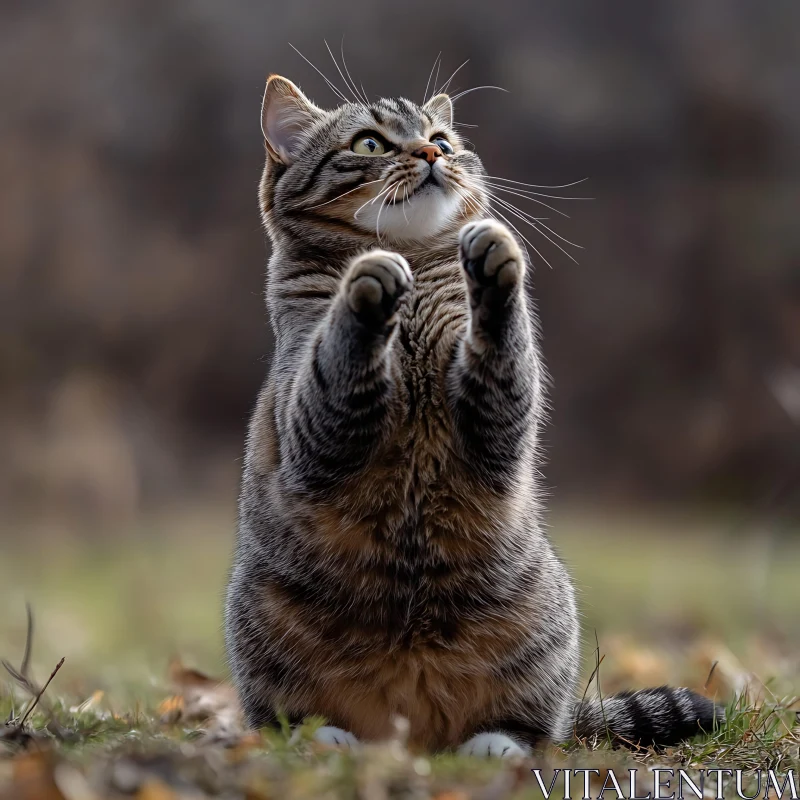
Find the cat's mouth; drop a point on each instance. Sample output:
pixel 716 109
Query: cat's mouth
pixel 430 180
pixel 427 184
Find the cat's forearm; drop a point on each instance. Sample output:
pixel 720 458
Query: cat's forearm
pixel 495 397
pixel 344 392
pixel 494 384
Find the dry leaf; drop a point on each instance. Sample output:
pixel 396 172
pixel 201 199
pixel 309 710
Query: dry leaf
pixel 204 699
pixel 170 709
pixel 725 674
pixel 33 778
pixel 88 704
pixel 156 790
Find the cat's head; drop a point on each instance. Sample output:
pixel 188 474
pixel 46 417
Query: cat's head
pixel 390 168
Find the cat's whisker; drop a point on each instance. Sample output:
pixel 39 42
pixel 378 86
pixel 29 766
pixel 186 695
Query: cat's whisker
pixel 427 85
pixel 447 83
pixel 527 193
pixel 471 205
pixel 478 202
pixel 344 194
pixel 494 213
pixel 475 89
pixel 324 77
pixel 519 215
pixel 462 195
pixel 464 206
pixel 531 218
pixel 532 199
pixel 362 94
pixel 436 79
pixel 535 185
pixel 556 234
pixel 354 93
pixel 394 196
pixel 525 239
pixel 470 202
pixel 378 218
pixel 373 199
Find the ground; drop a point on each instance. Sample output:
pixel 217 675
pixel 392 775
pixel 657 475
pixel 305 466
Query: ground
pixel 708 601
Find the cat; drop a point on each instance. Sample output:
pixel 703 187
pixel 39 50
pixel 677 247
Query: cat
pixel 391 559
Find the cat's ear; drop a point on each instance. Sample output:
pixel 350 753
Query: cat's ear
pixel 286 115
pixel 440 107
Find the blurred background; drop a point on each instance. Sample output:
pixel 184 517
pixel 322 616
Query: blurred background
pixel 133 336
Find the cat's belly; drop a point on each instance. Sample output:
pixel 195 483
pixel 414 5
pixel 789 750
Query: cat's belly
pixel 419 630
pixel 443 693
pixel 441 697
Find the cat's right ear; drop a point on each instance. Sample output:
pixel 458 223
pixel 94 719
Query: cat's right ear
pixel 286 115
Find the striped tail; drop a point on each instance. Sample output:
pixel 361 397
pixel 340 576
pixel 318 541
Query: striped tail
pixel 660 717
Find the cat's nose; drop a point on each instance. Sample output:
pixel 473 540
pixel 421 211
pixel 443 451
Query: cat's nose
pixel 430 152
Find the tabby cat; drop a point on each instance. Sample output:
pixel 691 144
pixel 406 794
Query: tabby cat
pixel 391 559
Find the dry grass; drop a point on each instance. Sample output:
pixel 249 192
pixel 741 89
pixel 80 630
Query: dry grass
pixel 672 600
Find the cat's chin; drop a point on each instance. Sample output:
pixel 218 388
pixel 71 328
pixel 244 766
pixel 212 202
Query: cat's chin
pixel 425 214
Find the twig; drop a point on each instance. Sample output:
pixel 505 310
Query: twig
pixel 41 692
pixel 599 660
pixel 28 642
pixel 599 690
pixel 710 674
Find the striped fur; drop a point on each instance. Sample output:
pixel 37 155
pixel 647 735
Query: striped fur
pixel 650 716
pixel 390 557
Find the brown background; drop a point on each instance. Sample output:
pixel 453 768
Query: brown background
pixel 132 332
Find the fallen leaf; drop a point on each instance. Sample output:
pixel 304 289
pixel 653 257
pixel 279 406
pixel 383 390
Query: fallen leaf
pixel 156 790
pixel 204 699
pixel 33 777
pixel 170 709
pixel 725 675
pixel 88 704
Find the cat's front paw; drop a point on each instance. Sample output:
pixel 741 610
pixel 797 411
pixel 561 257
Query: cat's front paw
pixel 490 256
pixel 375 285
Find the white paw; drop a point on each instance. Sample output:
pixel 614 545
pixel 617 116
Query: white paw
pixel 335 737
pixel 492 745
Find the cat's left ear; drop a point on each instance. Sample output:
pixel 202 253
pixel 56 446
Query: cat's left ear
pixel 286 116
pixel 440 108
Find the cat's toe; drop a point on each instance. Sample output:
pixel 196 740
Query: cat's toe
pixel 492 745
pixel 490 254
pixel 376 282
pixel 331 736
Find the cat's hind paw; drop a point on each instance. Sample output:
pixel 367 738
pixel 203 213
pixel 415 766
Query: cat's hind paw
pixel 330 736
pixel 492 745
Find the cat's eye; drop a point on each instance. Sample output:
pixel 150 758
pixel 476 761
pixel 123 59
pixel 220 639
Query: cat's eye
pixel 369 144
pixel 443 145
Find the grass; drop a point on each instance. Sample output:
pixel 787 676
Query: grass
pixel 670 598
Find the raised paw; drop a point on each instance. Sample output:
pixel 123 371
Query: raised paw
pixel 331 736
pixel 490 255
pixel 492 745
pixel 375 284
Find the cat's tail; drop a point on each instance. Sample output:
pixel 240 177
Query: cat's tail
pixel 660 717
